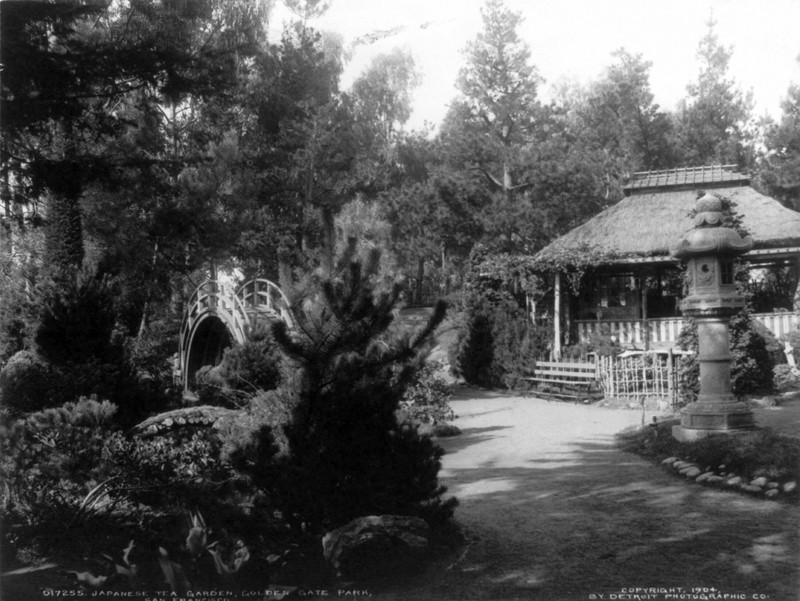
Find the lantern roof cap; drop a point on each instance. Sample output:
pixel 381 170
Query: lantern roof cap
pixel 709 236
pixel 708 203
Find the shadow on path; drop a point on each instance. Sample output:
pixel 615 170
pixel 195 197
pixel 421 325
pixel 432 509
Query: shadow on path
pixel 559 515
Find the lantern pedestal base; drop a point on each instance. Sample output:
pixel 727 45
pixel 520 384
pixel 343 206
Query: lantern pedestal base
pixel 713 416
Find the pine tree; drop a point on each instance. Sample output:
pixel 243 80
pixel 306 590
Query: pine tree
pixel 348 456
pixel 499 87
pixel 714 127
pixel 779 168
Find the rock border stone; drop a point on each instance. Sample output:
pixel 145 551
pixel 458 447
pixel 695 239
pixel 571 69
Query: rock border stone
pixel 760 486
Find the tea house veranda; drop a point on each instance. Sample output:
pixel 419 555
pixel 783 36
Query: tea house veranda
pixel 633 287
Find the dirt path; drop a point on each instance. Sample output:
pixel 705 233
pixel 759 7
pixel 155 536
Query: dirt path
pixel 554 511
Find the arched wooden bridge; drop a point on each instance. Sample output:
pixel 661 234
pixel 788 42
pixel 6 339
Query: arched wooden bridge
pixel 218 316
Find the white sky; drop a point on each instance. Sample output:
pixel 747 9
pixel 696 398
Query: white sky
pixel 574 39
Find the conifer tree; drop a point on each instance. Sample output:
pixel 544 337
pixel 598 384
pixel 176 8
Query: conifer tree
pixel 779 167
pixel 347 454
pixel 714 126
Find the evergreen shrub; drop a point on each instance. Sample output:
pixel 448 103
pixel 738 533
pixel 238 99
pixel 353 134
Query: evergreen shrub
pixel 51 462
pixel 245 370
pixel 472 354
pixel 496 345
pixel 785 377
pixel 73 477
pixel 347 455
pixel 75 350
pixel 254 365
pixel 754 351
pixel 425 401
pixel 26 383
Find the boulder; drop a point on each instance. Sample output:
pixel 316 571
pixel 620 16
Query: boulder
pixel 762 481
pixel 789 486
pixel 771 493
pixel 714 479
pixel 704 477
pixel 376 546
pixel 735 481
pixel 669 460
pixel 691 472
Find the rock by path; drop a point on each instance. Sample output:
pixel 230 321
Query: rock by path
pixel 554 511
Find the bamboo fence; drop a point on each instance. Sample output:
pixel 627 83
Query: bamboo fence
pixel 639 375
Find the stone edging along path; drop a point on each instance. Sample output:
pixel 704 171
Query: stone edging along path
pixel 721 477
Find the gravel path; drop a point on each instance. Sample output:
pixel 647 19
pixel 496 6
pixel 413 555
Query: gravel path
pixel 554 511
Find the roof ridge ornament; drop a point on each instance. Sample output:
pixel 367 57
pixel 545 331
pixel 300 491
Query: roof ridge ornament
pixel 686 176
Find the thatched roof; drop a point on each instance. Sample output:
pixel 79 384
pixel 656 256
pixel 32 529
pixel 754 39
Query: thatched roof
pixel 654 217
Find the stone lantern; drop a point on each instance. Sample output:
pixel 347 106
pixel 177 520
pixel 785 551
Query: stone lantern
pixel 710 249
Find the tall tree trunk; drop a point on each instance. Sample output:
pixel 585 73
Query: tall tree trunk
pixel 64 233
pixel 328 239
pixel 8 230
pixel 445 271
pixel 144 324
pixel 507 183
pixel 420 279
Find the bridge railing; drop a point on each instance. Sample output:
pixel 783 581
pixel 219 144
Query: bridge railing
pixel 263 296
pixel 239 309
pixel 215 297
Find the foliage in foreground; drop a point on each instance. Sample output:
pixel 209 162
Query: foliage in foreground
pixel 324 447
pixel 71 473
pixel 74 347
pixel 425 401
pixel 749 455
pixel 346 455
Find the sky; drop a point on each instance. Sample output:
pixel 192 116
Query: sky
pixel 572 40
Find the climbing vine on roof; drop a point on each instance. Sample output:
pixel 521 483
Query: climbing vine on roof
pixel 525 273
pixel 573 263
pixel 513 272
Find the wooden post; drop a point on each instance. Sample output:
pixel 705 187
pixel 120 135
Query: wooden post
pixel 420 279
pixel 531 306
pixel 796 299
pixel 670 384
pixel 557 317
pixel 645 326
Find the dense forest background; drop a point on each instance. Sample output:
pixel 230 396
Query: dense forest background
pixel 148 143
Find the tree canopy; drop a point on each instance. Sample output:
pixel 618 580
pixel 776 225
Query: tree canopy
pixel 156 141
